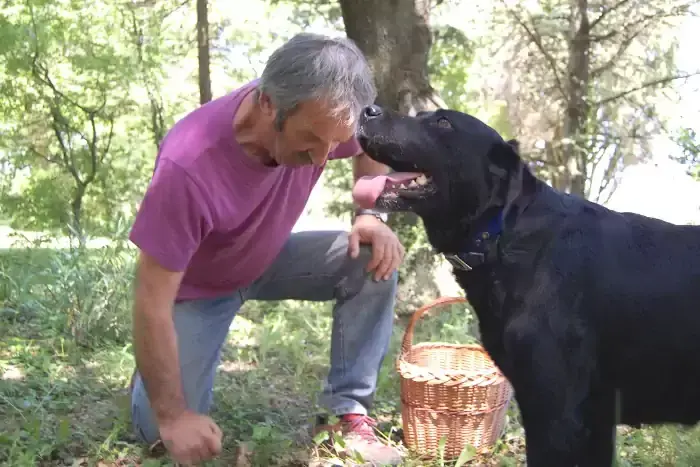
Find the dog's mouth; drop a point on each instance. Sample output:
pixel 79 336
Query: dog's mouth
pixel 371 191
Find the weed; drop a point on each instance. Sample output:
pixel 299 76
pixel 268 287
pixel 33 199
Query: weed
pixel 65 360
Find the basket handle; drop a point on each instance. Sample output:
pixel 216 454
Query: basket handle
pixel 418 314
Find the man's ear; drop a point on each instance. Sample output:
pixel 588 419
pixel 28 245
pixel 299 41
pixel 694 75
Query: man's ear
pixel 265 104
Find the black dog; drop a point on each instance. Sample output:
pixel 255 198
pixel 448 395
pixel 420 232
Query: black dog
pixel 593 315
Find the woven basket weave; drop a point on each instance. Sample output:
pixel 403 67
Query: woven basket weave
pixel 449 390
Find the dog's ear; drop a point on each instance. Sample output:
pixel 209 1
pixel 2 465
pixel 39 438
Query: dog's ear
pixel 505 155
pixel 515 144
pixel 506 169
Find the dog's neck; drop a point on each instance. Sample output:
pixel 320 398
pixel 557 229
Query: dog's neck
pixel 479 242
pixel 468 244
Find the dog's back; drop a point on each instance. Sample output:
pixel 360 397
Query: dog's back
pixel 635 281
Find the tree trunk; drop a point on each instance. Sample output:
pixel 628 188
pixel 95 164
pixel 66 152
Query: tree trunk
pixel 395 37
pixel 203 52
pixel 576 115
pixel 76 227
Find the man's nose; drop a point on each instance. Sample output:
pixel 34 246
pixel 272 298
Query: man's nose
pixel 372 111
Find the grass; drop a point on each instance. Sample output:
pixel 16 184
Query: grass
pixel 65 359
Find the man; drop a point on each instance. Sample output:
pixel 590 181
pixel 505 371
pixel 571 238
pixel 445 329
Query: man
pixel 214 229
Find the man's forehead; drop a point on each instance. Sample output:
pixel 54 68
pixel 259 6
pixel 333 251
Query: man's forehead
pixel 317 119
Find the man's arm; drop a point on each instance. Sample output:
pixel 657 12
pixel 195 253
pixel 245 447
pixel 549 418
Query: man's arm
pixel 155 342
pixel 173 219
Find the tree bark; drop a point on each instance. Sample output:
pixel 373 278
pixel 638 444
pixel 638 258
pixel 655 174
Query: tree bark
pixel 395 37
pixel 203 52
pixel 76 226
pixel 576 115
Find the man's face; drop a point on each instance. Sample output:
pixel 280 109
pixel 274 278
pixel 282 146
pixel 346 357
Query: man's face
pixel 307 135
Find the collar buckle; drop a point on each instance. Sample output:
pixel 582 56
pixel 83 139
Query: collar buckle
pixel 461 263
pixel 458 263
pixel 475 252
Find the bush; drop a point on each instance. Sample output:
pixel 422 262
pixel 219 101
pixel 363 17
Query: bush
pixel 82 292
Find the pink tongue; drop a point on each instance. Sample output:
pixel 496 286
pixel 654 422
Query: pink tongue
pixel 367 189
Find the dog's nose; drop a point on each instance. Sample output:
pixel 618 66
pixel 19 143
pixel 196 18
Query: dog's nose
pixel 372 111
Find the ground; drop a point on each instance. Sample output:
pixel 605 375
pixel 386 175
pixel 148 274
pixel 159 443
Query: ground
pixel 65 360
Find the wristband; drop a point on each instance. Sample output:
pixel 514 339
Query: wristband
pixel 382 216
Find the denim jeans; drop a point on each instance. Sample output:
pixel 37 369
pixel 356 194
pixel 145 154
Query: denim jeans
pixel 313 266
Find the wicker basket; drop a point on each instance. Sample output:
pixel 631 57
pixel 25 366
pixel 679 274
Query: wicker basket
pixel 452 391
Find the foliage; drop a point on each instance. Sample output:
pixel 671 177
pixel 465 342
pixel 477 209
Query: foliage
pixel 687 140
pixel 67 83
pixel 627 70
pixel 451 56
pixel 82 294
pixel 86 96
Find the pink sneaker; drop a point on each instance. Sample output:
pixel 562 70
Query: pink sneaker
pixel 359 436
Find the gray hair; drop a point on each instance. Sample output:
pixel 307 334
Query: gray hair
pixel 313 66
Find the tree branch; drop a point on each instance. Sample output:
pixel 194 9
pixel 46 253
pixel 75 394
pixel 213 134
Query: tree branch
pixel 92 147
pixel 614 60
pixel 49 159
pixel 105 150
pixel 606 12
pixel 644 22
pixel 648 84
pixel 534 37
pixel 604 37
pixel 68 161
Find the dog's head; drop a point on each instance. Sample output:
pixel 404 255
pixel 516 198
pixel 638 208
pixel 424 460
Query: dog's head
pixel 446 163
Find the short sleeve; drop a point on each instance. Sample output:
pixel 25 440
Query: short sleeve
pixel 173 218
pixel 350 148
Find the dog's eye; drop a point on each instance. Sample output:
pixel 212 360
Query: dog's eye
pixel 444 123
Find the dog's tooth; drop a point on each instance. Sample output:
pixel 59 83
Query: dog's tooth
pixel 402 185
pixel 413 184
pixel 421 180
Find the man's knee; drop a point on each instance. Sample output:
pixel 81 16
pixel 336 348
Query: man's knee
pixel 358 278
pixel 198 397
pixel 365 257
pixel 142 420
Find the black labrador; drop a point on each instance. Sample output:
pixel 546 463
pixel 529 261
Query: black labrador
pixel 593 315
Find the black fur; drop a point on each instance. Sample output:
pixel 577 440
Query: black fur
pixel 578 305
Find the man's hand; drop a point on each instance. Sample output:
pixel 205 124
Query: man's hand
pixel 387 251
pixel 191 438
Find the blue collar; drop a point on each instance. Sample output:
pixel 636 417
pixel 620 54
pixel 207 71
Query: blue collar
pixel 474 252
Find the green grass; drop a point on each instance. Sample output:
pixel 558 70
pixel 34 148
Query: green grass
pixel 65 360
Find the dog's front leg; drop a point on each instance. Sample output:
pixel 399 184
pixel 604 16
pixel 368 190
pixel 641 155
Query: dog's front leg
pixel 600 415
pixel 550 368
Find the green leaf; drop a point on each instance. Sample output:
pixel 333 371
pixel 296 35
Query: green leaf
pixel 466 455
pixel 339 441
pixel 321 437
pixel 64 430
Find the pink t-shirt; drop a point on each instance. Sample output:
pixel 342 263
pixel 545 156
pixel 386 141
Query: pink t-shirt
pixel 212 211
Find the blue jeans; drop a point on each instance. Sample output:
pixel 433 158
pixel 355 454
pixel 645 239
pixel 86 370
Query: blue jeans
pixel 313 266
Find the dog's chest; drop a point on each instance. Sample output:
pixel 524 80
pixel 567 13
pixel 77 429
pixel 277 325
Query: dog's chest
pixel 484 289
pixel 487 296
